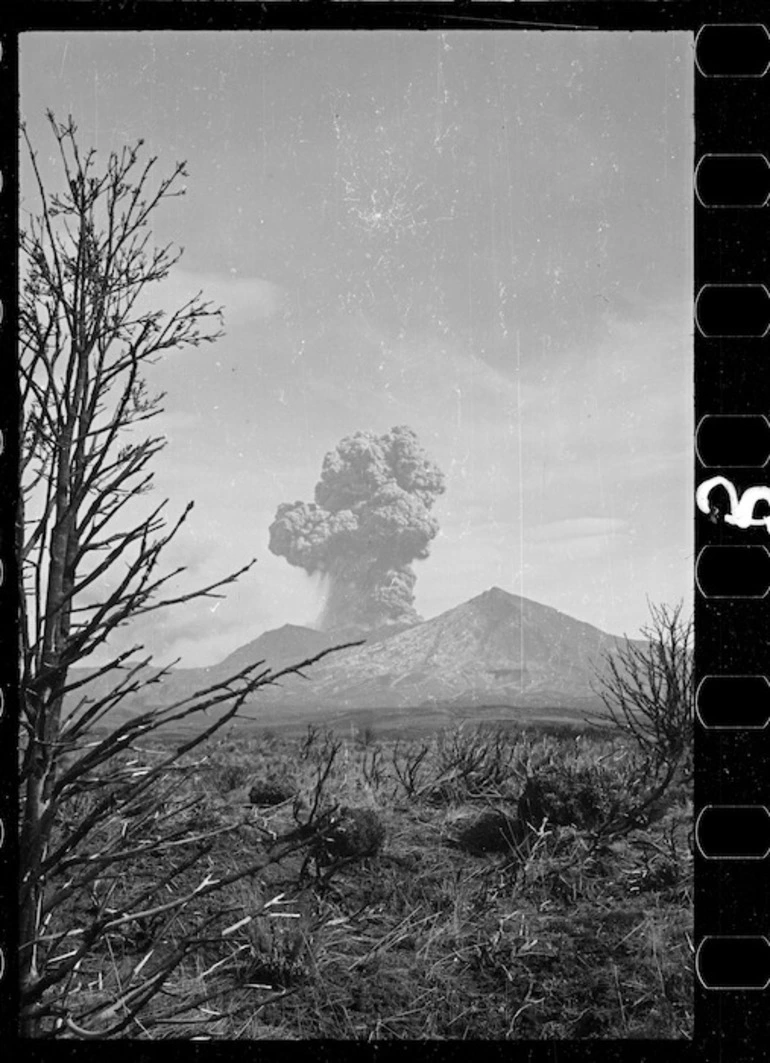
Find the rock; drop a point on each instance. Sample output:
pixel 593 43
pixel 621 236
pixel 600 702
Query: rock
pixel 352 833
pixel 490 831
pixel 271 792
pixel 570 799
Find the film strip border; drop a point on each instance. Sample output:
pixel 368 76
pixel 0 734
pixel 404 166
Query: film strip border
pixel 732 606
pixel 9 124
pixel 732 471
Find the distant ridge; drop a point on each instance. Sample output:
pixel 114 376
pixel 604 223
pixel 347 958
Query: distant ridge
pixel 279 648
pixel 495 650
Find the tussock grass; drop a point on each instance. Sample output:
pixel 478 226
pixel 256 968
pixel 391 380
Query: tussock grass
pixel 575 929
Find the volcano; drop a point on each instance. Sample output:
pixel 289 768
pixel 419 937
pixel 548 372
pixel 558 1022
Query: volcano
pixel 497 651
pixel 497 648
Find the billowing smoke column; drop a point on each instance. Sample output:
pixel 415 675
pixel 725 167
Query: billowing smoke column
pixel 370 520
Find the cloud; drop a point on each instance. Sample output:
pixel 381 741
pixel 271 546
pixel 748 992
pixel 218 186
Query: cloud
pixel 577 528
pixel 243 299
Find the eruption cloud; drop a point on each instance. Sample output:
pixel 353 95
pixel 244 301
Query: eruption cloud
pixel 370 521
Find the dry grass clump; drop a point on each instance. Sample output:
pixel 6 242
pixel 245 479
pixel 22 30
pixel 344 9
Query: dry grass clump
pixel 352 833
pixel 272 791
pixel 565 795
pixel 228 777
pixel 483 915
pixel 488 831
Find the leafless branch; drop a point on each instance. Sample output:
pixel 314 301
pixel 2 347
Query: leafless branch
pixel 91 553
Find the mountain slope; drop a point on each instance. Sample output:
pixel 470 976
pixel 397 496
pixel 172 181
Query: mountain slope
pixel 495 648
pixel 278 648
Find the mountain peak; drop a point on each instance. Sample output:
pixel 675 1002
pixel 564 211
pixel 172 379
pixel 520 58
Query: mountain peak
pixel 279 647
pixel 493 593
pixel 495 599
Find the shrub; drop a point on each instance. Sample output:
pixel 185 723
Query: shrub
pixel 228 777
pixel 271 791
pixel 582 797
pixel 648 692
pixel 366 736
pixel 352 833
pixel 490 831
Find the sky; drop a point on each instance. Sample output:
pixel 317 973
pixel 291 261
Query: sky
pixel 486 236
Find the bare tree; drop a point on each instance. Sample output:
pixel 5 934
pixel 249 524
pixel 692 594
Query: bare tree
pixel 648 692
pixel 90 548
pixel 648 687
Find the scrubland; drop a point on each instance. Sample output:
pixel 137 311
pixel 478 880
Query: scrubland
pixel 471 884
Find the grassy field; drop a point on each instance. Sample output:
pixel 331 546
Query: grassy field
pixel 469 884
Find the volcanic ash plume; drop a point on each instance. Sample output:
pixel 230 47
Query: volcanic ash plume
pixel 370 520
